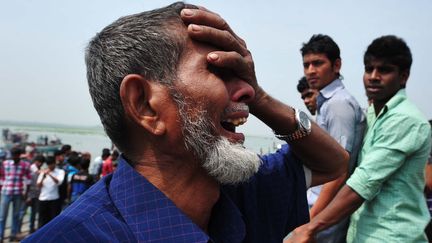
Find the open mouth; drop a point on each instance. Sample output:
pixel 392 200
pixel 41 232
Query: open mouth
pixel 230 124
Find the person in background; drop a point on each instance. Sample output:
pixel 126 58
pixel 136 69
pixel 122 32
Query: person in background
pixel 61 165
pixel 184 174
pixel 15 177
pixel 385 192
pixel 59 159
pixel 49 181
pixel 32 200
pixel 96 167
pixel 107 165
pixel 308 95
pixel 80 181
pixel 338 113
pixel 67 150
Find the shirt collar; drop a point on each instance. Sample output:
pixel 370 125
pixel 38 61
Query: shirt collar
pixel 147 209
pixel 328 91
pixel 394 101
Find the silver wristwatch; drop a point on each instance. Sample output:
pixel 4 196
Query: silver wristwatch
pixel 304 127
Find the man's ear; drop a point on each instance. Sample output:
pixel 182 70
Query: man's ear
pixel 337 65
pixel 139 97
pixel 404 78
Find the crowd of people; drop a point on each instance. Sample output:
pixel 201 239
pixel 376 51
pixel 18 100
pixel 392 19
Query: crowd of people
pixel 42 185
pixel 349 174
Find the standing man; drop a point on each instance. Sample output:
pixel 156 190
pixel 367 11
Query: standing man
pixel 48 182
pixel 15 177
pixel 338 113
pixel 96 166
pixel 385 192
pixel 184 175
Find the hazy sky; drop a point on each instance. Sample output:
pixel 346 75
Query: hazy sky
pixel 42 71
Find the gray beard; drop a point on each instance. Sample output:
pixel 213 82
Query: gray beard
pixel 227 162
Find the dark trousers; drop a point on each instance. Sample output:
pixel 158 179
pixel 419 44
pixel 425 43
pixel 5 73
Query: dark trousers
pixel 48 210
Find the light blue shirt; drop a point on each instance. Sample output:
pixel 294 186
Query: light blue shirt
pixel 341 116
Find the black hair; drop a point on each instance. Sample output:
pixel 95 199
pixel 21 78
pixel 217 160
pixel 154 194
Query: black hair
pixel 39 158
pixel 391 49
pixel 106 151
pixel 66 147
pixel 50 160
pixel 58 152
pixel 322 44
pixel 74 160
pixel 302 84
pixel 84 163
pixel 16 151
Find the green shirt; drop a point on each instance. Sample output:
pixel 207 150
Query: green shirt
pixel 390 175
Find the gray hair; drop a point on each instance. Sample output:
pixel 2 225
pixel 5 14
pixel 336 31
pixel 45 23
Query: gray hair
pixel 143 44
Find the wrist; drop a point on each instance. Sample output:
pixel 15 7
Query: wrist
pixel 259 99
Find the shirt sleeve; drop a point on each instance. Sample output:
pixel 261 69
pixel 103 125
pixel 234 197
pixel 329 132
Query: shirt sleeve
pixel 61 176
pixel 341 119
pixel 308 176
pixel 28 176
pixel 2 173
pixel 40 177
pixel 391 145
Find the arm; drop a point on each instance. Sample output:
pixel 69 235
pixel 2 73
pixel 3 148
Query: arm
pixel 428 174
pixel 27 181
pixel 328 192
pixel 2 174
pixel 328 160
pixel 343 205
pixel 341 125
pixel 41 178
pixel 390 144
pixel 56 181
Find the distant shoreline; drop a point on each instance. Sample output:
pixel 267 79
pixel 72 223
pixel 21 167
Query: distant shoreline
pixel 51 127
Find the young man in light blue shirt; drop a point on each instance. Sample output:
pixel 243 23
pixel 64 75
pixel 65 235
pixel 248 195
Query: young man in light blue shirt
pixel 338 113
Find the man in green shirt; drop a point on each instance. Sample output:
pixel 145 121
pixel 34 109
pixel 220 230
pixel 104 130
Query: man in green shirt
pixel 385 192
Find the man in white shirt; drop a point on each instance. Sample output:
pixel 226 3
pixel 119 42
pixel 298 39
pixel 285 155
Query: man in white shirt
pixel 49 181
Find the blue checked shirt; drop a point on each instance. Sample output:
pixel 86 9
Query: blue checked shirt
pixel 125 207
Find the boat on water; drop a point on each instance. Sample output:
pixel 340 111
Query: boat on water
pixel 43 144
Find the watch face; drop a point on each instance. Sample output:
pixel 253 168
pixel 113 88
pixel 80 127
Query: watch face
pixel 304 120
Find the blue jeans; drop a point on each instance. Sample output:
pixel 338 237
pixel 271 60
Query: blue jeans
pixel 4 209
pixel 34 206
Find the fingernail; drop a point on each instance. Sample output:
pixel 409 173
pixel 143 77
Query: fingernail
pixel 213 56
pixel 187 12
pixel 195 27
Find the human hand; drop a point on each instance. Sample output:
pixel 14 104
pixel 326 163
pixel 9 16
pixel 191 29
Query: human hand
pixel 206 26
pixel 300 235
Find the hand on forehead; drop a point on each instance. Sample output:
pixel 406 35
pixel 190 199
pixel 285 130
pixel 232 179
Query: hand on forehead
pixel 206 26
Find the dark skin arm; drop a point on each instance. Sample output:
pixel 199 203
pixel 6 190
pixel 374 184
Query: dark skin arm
pixel 329 160
pixel 344 204
pixel 45 174
pixel 328 192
